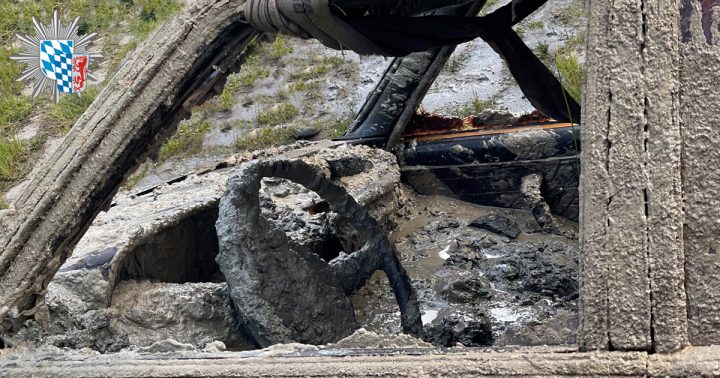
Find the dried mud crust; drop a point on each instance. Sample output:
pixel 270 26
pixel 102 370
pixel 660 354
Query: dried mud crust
pixel 476 283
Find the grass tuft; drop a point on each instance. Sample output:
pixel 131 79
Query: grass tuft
pixel 263 138
pixel 572 73
pixel 536 25
pixel 340 126
pixel 63 115
pixel 12 155
pixel 473 107
pixel 252 71
pixel 489 4
pixel 188 138
pixel 310 73
pixel 13 109
pixel 542 51
pixel 304 86
pixel 279 48
pixel 150 14
pixel 277 115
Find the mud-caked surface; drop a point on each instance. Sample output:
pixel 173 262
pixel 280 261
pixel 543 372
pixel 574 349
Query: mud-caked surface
pixel 190 313
pixel 484 276
pixel 284 291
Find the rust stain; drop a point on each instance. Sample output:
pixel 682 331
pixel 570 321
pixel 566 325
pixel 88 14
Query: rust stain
pixel 429 124
pixel 491 131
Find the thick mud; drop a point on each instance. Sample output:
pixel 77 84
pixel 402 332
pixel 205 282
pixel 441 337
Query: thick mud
pixel 145 272
pixel 477 284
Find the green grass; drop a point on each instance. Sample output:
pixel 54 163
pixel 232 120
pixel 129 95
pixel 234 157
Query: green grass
pixel 266 137
pixel 63 115
pixel 13 109
pixel 251 71
pixel 536 25
pixel 310 73
pixel 572 73
pixel 565 62
pixel 188 138
pixel 150 14
pixel 332 62
pixel 304 86
pixel 12 156
pixel 277 115
pixel 572 13
pixel 339 127
pixel 113 20
pixel 279 48
pixel 473 107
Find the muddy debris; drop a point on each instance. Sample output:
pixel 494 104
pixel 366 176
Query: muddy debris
pixel 497 225
pixel 461 325
pixel 144 278
pixel 364 339
pixel 480 287
pixel 284 291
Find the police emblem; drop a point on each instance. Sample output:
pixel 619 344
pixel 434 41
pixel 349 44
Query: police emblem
pixel 56 57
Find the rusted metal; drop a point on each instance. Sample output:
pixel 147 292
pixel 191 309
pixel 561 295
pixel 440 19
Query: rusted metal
pixel 433 126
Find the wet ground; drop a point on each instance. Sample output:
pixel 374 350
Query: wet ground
pixel 484 276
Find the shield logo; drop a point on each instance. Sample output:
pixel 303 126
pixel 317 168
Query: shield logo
pixel 57 58
pixel 56 63
pixel 79 72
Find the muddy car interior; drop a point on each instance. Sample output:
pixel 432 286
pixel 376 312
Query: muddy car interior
pixel 414 242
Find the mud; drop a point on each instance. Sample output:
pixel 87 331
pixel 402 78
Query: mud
pixel 478 287
pixel 285 292
pixel 145 272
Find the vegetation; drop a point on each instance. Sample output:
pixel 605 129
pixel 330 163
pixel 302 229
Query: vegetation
pixel 304 86
pixel 572 73
pixel 136 176
pixel 277 115
pixel 252 70
pixel 12 155
pixel 536 25
pixel 473 107
pixel 279 48
pixel 13 109
pixel 188 138
pixel 573 12
pixel 62 116
pixel 489 4
pixel 266 137
pixel 340 127
pixel 569 66
pixel 310 73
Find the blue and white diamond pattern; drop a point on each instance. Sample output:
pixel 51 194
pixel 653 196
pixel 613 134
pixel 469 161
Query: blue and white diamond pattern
pixel 56 62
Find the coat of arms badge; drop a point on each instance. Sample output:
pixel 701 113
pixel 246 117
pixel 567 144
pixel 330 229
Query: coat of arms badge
pixel 56 57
